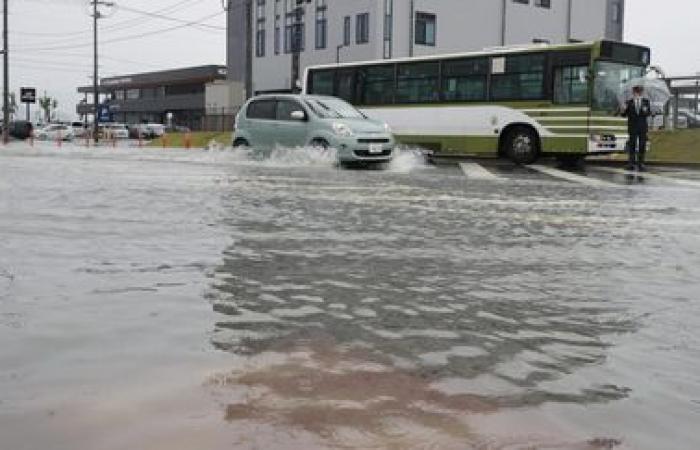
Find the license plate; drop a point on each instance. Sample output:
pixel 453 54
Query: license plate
pixel 375 148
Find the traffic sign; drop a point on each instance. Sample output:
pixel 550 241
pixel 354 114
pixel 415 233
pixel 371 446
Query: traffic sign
pixel 27 95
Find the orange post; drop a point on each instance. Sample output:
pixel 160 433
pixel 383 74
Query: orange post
pixel 31 137
pixel 188 140
pixel 59 139
pixel 164 140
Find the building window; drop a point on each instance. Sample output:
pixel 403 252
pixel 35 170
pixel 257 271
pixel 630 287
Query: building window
pixel 260 28
pixel 524 2
pixel 362 28
pixel 118 95
pixel 347 25
pixel 321 25
pixel 616 13
pixel 388 27
pixel 426 27
pixel 278 29
pixel 543 3
pixel 133 94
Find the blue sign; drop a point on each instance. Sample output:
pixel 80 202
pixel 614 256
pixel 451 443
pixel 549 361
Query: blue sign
pixel 104 114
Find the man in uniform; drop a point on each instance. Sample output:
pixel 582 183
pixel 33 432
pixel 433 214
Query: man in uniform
pixel 637 110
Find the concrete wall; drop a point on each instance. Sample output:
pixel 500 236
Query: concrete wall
pixel 462 25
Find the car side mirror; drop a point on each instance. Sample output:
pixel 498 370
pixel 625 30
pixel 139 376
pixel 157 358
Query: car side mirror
pixel 298 115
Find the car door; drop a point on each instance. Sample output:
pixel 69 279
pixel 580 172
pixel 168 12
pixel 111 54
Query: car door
pixel 261 121
pixel 290 131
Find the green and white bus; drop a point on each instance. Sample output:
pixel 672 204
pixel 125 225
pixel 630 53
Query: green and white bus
pixel 518 102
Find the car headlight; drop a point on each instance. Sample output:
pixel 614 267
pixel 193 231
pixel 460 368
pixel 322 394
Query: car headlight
pixel 387 128
pixel 341 129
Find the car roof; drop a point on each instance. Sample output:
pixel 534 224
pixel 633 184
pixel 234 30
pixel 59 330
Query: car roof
pixel 292 97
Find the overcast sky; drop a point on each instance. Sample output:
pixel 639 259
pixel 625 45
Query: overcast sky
pixel 50 40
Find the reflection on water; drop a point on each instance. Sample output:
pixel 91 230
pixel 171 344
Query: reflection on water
pixel 386 311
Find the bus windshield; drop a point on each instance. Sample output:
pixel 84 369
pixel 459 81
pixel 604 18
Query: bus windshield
pixel 330 108
pixel 609 77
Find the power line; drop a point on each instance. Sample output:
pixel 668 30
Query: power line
pixel 128 37
pixel 172 19
pixel 182 4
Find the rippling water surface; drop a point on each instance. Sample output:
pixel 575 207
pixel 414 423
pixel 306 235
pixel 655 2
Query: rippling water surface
pixel 170 299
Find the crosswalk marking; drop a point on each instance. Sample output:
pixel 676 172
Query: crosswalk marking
pixel 653 176
pixel 474 171
pixel 568 176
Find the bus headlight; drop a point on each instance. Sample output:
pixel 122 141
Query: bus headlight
pixel 341 129
pixel 387 128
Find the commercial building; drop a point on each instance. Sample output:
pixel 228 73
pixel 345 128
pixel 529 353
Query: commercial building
pixel 270 42
pixel 185 96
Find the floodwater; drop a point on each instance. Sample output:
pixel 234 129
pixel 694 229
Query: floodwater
pixel 170 299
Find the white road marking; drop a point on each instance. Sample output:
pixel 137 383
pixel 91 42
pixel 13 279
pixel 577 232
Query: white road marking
pixel 653 176
pixel 568 176
pixel 474 171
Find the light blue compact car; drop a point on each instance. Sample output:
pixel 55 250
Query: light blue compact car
pixel 288 120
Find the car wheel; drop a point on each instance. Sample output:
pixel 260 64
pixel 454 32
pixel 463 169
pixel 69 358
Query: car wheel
pixel 241 143
pixel 320 143
pixel 522 145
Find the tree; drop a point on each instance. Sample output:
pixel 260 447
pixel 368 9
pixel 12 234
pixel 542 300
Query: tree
pixel 12 106
pixel 46 103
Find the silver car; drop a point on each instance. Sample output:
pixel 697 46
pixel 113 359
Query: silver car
pixel 309 120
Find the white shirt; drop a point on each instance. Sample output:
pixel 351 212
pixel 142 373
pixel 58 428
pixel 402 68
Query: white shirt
pixel 638 103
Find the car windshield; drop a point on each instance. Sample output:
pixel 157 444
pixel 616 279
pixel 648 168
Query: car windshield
pixel 330 108
pixel 609 78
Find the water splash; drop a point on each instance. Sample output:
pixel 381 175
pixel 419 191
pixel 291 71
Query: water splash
pixel 287 156
pixel 407 160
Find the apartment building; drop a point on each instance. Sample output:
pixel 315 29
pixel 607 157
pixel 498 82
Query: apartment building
pixel 270 42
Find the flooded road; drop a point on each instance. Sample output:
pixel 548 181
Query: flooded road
pixel 167 299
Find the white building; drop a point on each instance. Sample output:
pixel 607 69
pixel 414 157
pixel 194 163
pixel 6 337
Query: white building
pixel 357 30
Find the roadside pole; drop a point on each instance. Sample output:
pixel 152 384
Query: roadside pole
pixel 96 15
pixel 6 80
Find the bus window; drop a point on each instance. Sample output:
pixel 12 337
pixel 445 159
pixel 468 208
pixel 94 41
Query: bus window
pixel 571 84
pixel 418 83
pixel 522 78
pixel 346 85
pixel 376 85
pixel 464 79
pixel 321 82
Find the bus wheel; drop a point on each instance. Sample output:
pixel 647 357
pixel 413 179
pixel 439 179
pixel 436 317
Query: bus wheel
pixel 522 146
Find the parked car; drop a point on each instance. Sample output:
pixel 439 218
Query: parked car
pixel 318 121
pixel 156 129
pixel 114 131
pixel 55 132
pixel 80 129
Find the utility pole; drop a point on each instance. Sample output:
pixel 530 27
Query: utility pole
pixel 6 75
pixel 96 15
